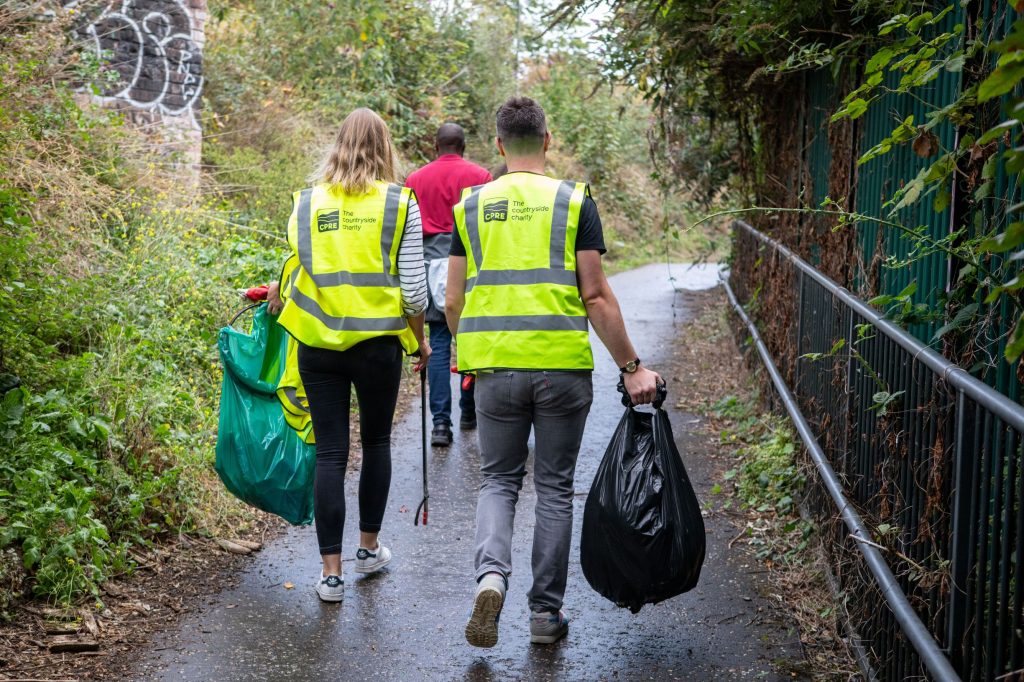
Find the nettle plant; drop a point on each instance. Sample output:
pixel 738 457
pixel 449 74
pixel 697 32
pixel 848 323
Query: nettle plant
pixel 914 53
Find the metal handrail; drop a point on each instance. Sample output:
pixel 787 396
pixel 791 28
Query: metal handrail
pixel 1004 408
pixel 920 638
pixel 970 630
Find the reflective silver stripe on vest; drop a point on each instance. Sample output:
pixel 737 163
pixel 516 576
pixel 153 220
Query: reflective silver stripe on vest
pixel 347 324
pixel 556 273
pixel 305 230
pixel 534 276
pixel 524 323
pixel 560 223
pixel 473 228
pixel 387 237
pixel 341 277
pixel 293 400
pixel 355 279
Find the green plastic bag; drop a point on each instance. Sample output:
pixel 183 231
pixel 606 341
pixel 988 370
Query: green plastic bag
pixel 260 458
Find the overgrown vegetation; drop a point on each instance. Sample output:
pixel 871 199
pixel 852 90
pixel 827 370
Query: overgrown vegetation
pixel 767 479
pixel 112 294
pixel 752 75
pixel 118 267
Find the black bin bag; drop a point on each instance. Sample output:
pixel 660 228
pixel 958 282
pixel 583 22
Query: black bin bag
pixel 643 535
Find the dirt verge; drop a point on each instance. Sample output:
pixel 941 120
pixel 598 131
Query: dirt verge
pixel 711 373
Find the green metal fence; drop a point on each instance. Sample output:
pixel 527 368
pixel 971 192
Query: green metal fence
pixel 936 482
pixel 877 181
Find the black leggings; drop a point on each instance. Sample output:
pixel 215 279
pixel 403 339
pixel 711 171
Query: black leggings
pixel 374 367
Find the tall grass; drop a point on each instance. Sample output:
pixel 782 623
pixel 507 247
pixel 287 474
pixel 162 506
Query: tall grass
pixel 114 284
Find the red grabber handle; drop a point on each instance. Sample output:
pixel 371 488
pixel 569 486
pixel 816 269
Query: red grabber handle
pixel 467 379
pixel 257 294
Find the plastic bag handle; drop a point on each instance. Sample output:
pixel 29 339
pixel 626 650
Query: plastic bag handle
pixel 659 398
pixel 245 310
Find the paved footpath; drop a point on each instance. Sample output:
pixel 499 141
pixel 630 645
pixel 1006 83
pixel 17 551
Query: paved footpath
pixel 407 624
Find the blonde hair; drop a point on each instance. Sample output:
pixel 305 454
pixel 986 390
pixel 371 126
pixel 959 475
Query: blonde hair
pixel 362 154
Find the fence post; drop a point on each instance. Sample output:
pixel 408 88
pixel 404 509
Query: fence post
pixel 799 334
pixel 962 551
pixel 850 418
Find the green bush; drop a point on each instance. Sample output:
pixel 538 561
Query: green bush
pixel 113 290
pixel 109 439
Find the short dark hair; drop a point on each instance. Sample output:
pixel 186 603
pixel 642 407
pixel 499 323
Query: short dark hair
pixel 450 136
pixel 521 125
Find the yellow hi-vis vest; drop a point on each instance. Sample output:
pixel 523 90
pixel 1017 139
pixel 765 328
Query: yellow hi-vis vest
pixel 292 393
pixel 341 287
pixel 523 307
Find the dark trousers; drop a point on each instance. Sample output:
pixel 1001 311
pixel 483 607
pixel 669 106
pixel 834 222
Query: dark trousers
pixel 374 367
pixel 440 379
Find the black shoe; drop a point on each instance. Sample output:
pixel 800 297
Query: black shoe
pixel 441 436
pixel 467 422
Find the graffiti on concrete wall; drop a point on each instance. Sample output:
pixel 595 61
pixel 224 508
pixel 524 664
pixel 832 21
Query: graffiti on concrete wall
pixel 156 48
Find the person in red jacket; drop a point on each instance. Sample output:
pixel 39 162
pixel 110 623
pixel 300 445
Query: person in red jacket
pixel 438 187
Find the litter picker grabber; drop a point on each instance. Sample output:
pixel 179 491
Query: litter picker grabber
pixel 423 440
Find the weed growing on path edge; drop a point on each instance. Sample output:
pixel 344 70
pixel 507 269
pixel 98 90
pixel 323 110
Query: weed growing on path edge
pixel 761 486
pixel 767 481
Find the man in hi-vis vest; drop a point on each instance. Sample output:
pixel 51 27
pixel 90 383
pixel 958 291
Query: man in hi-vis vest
pixel 524 279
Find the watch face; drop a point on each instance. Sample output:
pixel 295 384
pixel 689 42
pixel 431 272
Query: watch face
pixel 631 366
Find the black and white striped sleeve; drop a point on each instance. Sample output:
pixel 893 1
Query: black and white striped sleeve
pixel 411 271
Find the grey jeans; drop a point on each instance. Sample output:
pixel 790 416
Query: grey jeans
pixel 508 404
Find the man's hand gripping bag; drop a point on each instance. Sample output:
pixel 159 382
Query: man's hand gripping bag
pixel 643 535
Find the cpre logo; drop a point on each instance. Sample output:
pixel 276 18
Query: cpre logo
pixel 326 221
pixel 496 209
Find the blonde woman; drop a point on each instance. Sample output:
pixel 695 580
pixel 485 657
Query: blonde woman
pixel 353 295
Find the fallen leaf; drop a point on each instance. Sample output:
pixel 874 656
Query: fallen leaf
pixel 289 586
pixel 403 509
pixel 926 144
pixel 977 151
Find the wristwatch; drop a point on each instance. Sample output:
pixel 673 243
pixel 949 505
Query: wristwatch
pixel 630 366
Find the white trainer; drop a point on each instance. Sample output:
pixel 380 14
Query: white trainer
pixel 482 627
pixel 547 627
pixel 331 588
pixel 372 560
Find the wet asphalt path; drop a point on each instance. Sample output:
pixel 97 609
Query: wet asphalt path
pixel 407 623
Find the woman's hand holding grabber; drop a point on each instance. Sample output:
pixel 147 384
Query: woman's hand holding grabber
pixel 421 357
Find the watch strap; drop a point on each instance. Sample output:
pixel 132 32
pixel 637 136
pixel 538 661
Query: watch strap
pixel 625 368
